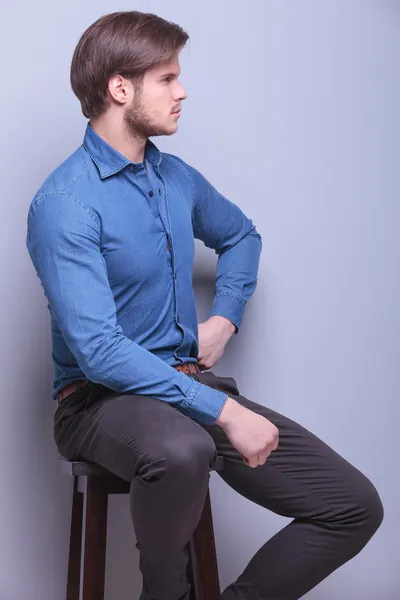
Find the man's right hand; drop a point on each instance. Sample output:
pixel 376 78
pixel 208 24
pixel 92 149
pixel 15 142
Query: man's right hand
pixel 250 433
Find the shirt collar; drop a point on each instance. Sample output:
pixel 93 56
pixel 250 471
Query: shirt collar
pixel 108 160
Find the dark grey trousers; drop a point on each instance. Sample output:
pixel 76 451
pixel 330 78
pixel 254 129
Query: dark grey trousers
pixel 167 456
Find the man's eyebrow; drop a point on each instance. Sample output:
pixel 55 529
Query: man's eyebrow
pixel 170 74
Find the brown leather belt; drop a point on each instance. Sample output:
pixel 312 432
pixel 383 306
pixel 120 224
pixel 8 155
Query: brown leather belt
pixel 187 368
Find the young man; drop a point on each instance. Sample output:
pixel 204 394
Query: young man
pixel 111 235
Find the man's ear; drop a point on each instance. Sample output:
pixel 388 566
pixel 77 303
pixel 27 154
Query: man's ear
pixel 120 89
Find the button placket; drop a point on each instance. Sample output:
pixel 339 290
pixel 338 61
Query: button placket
pixel 170 249
pixel 145 185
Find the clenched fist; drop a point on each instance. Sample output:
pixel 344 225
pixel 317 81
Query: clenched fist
pixel 251 434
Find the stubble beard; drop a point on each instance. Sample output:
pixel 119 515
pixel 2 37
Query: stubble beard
pixel 138 123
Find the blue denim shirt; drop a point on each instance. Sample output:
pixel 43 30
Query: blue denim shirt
pixel 112 243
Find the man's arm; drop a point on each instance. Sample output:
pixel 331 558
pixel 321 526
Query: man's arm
pixel 63 241
pixel 221 225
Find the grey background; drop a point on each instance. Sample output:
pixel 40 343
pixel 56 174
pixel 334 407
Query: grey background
pixel 292 113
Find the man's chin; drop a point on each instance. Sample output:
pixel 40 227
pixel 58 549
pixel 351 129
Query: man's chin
pixel 164 131
pixel 172 130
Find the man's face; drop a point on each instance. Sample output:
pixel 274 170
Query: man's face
pixel 156 106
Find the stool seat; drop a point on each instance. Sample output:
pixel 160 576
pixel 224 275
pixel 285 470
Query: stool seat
pixel 80 468
pixel 92 484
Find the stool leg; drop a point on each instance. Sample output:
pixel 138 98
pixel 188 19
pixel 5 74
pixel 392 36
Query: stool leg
pixel 205 556
pixel 94 557
pixel 190 571
pixel 75 544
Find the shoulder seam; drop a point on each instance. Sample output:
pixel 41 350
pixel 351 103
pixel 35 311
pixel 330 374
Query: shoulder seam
pixel 182 165
pixel 66 192
pixel 75 179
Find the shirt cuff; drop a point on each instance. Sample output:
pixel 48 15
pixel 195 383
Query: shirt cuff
pixel 204 403
pixel 229 306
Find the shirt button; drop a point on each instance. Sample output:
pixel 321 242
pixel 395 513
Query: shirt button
pixel 159 191
pixel 151 194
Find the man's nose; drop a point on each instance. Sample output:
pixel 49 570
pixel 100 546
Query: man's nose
pixel 181 93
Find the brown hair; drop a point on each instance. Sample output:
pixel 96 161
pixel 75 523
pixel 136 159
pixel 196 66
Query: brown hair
pixel 124 43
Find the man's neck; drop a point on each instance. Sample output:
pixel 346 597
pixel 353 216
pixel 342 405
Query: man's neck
pixel 115 134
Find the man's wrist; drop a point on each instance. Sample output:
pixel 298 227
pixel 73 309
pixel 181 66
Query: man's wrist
pixel 224 415
pixel 224 325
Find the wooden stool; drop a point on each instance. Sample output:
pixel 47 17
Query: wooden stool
pixel 91 487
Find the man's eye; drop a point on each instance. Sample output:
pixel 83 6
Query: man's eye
pixel 167 79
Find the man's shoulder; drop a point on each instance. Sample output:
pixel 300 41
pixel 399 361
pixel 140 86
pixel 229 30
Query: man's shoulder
pixel 65 177
pixel 179 167
pixel 174 161
pixel 188 171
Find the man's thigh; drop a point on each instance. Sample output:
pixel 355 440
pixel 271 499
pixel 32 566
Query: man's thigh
pixel 303 478
pixel 127 432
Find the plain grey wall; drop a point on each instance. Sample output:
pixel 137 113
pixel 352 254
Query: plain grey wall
pixel 292 113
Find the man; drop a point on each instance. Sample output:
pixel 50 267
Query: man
pixel 111 235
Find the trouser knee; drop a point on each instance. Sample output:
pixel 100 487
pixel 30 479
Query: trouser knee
pixel 361 517
pixel 180 460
